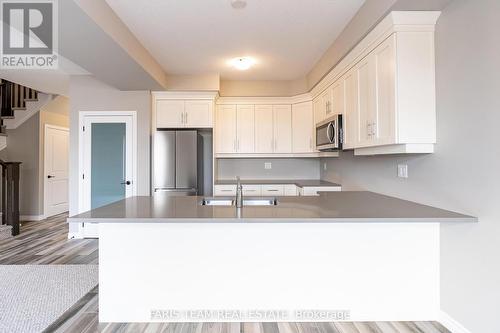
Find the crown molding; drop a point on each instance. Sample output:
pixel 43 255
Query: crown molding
pixel 185 94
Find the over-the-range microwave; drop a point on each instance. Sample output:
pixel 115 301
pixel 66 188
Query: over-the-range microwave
pixel 329 134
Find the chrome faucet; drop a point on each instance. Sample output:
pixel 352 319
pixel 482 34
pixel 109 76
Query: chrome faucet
pixel 239 193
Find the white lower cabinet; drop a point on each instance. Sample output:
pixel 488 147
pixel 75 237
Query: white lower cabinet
pixel 252 190
pixel 313 190
pixel 224 190
pixel 272 190
pixel 258 190
pixel 290 190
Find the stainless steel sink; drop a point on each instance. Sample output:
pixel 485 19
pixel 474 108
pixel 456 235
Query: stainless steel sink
pixel 260 202
pixel 217 202
pixel 246 202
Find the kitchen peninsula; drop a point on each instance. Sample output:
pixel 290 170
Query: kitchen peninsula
pixel 361 254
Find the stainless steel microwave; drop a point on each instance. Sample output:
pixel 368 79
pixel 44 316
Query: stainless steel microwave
pixel 329 134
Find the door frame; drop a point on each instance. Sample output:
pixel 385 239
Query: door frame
pixel 45 167
pixel 82 116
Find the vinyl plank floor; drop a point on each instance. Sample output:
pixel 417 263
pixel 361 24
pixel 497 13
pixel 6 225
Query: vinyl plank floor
pixel 46 243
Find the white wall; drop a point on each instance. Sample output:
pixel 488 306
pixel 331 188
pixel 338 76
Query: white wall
pixel 88 94
pixel 463 173
pixel 282 168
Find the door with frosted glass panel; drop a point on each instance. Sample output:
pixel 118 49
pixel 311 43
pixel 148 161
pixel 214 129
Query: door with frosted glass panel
pixel 108 174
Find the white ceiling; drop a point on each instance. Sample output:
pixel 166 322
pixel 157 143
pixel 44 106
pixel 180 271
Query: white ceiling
pixel 190 37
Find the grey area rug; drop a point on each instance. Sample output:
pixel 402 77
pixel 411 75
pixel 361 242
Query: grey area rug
pixel 34 296
pixel 5 232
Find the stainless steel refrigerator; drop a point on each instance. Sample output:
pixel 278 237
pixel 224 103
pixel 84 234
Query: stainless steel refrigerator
pixel 182 162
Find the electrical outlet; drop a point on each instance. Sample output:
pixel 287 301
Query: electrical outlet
pixel 268 166
pixel 324 166
pixel 402 171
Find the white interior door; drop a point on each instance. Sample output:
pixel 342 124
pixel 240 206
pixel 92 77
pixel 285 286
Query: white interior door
pixel 56 157
pixel 109 162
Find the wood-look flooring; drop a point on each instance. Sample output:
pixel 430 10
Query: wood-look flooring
pixel 46 243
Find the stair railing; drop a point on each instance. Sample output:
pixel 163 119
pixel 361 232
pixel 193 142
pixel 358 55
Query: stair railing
pixel 10 195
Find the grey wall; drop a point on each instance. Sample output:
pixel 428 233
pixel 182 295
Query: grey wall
pixel 295 168
pixel 463 173
pixel 88 94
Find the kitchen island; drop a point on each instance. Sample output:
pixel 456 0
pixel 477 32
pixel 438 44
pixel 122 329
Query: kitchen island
pixel 339 256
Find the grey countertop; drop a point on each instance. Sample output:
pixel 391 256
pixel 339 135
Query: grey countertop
pixel 298 182
pixel 331 207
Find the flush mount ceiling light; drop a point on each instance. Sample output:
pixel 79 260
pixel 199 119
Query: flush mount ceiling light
pixel 238 4
pixel 242 63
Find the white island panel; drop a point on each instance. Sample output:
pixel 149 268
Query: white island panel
pixel 369 271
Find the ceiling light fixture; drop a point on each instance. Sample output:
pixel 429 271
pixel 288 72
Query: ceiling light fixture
pixel 238 4
pixel 242 63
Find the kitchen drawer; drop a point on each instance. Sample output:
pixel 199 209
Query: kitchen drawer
pixel 312 191
pixel 290 190
pixel 272 190
pixel 224 190
pixel 252 190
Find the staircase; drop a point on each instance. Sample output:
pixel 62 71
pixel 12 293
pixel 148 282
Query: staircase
pixel 18 104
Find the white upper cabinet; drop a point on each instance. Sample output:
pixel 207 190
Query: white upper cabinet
pixel 225 129
pixel 302 128
pixel 245 132
pixel 385 88
pixel 350 114
pixel 183 110
pixel 282 129
pixel 169 114
pixel 198 114
pixel 264 129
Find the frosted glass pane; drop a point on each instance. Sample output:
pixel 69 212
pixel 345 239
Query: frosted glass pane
pixel 108 163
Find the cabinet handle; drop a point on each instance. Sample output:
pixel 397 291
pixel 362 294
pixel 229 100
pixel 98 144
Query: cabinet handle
pixel 185 118
pixel 374 129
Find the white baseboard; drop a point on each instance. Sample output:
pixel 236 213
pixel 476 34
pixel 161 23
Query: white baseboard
pixel 31 217
pixel 451 324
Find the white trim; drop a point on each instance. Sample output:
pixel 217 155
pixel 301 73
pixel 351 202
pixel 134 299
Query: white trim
pixel 31 218
pixel 82 115
pixel 212 95
pixel 265 100
pixel 451 324
pixel 45 194
pixel 273 155
pixel 413 148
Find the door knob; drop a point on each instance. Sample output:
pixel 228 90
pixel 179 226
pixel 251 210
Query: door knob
pixel 50 176
pixel 128 182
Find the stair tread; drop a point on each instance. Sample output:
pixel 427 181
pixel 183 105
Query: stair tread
pixel 19 108
pixel 7 117
pixel 3 134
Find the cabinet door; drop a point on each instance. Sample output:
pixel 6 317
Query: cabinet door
pixel 245 142
pixel 384 119
pixel 350 115
pixel 198 114
pixel 302 128
pixel 366 101
pixel 282 128
pixel 326 100
pixel 225 129
pixel 338 98
pixel 264 130
pixel 319 110
pixel 169 113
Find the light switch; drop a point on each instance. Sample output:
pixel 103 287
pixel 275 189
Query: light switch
pixel 402 171
pixel 268 166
